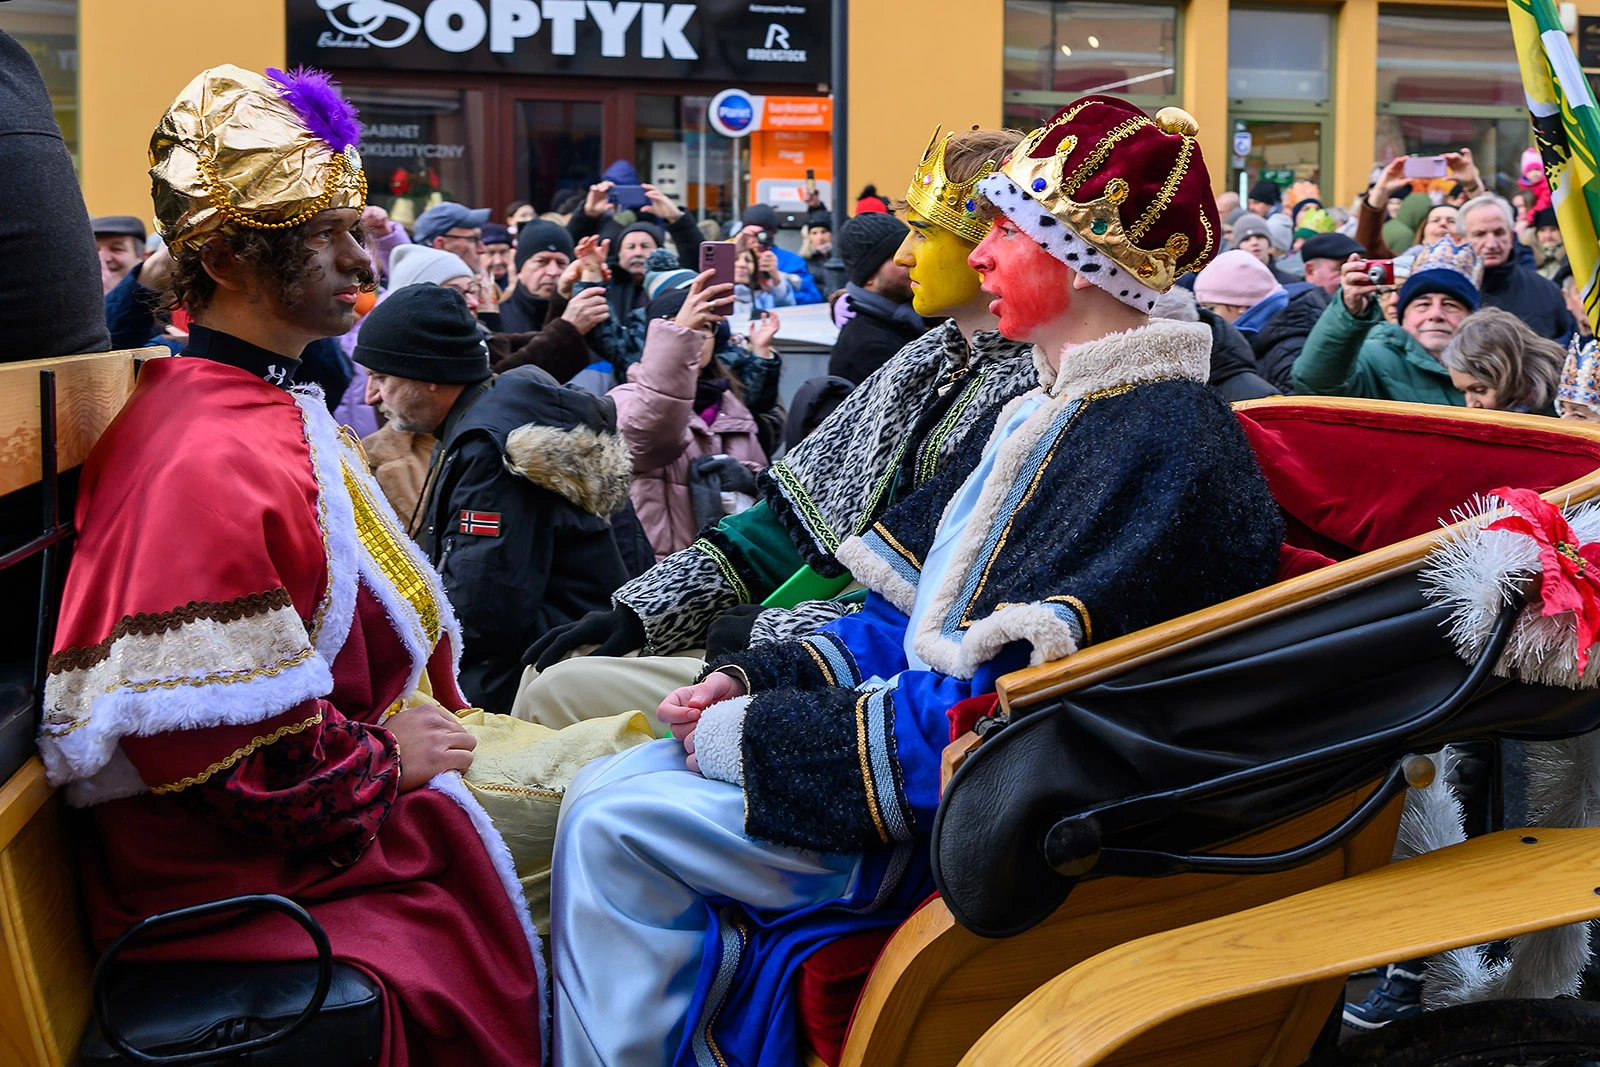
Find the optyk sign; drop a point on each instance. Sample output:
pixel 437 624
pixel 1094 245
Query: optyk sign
pixel 706 39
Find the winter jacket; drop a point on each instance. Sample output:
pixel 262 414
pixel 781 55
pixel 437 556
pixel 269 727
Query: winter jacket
pixel 798 272
pixel 50 303
pixel 399 461
pixel 553 345
pixel 1233 366
pixel 685 235
pixel 872 336
pixel 1368 357
pixel 1279 341
pixel 1535 300
pixel 655 412
pixel 524 515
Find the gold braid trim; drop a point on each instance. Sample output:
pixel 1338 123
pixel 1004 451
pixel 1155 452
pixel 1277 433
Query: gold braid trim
pixel 1101 151
pixel 147 624
pixel 1169 189
pixel 238 754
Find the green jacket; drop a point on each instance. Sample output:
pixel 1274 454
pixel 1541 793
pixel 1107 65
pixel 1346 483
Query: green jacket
pixel 1367 357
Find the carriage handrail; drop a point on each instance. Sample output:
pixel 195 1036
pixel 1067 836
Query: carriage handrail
pixel 1073 845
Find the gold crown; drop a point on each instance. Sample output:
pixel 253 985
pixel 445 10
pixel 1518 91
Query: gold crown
pixel 1099 221
pixel 944 202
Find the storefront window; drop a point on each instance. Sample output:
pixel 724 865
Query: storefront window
pixel 557 150
pixel 1058 51
pixel 1448 80
pixel 677 152
pixel 48 29
pixel 420 147
pixel 1447 58
pixel 712 176
pixel 1279 55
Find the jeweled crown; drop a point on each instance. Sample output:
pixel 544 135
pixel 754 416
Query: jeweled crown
pixel 943 202
pixel 1160 156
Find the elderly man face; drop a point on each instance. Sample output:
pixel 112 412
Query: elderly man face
pixel 1433 319
pixel 1489 232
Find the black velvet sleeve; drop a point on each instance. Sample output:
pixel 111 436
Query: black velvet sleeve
pixel 805 784
pixel 820 661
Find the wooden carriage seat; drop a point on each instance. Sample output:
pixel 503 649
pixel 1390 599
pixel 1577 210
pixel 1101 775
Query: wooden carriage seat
pixel 1354 478
pixel 44 952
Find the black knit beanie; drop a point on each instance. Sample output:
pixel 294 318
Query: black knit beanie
pixel 1266 190
pixel 541 235
pixel 424 332
pixel 865 241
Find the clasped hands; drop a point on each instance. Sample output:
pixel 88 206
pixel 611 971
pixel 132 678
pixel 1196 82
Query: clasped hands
pixel 682 708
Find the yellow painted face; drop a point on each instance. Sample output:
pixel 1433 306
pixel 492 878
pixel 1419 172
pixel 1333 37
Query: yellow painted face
pixel 936 259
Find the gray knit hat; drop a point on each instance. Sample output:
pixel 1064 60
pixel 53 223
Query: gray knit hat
pixel 865 241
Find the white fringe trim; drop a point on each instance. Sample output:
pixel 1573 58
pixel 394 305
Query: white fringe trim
pixel 1563 791
pixel 1474 571
pixel 450 784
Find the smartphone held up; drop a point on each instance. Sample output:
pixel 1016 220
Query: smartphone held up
pixel 1426 167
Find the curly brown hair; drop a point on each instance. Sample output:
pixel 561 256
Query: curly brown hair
pixel 280 257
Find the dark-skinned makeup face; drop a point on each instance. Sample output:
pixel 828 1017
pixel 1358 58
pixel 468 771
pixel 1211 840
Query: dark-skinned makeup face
pixel 338 270
pixel 1031 287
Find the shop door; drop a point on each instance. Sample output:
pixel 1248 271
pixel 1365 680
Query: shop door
pixel 1283 148
pixel 557 148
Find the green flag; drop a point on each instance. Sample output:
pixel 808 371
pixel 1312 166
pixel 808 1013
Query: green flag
pixel 1567 127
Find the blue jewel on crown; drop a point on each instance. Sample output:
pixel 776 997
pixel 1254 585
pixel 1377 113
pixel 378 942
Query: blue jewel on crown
pixel 1039 185
pixel 971 205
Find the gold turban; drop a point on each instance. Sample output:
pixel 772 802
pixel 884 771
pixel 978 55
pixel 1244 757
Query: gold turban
pixel 239 150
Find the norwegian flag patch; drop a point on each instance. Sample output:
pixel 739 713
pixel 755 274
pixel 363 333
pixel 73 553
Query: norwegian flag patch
pixel 481 523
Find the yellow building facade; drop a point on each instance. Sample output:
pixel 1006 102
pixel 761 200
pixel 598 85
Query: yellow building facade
pixel 1310 90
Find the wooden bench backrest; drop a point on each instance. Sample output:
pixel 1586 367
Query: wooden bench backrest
pixel 44 953
pixel 90 390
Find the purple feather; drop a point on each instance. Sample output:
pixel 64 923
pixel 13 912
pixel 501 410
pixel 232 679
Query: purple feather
pixel 325 113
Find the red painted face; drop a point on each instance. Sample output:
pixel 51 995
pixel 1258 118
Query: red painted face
pixel 1032 288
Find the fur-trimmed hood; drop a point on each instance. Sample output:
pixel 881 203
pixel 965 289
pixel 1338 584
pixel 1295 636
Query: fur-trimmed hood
pixel 558 437
pixel 590 469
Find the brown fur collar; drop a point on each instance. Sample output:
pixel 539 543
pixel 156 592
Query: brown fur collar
pixel 590 470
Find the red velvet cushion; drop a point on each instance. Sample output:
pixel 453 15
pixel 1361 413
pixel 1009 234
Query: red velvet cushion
pixel 1355 481
pixel 830 983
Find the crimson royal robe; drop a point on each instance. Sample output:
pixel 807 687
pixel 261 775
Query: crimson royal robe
pixel 241 611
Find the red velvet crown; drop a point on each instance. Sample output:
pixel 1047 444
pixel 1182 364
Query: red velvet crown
pixel 1132 186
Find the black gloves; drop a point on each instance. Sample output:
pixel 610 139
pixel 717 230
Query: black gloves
pixel 731 631
pixel 617 632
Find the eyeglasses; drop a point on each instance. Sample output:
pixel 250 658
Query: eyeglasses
pixel 476 237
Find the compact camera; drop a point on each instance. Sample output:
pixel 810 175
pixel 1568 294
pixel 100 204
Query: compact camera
pixel 1381 271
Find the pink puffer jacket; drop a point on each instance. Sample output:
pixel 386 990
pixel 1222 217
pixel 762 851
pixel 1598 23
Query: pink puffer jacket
pixel 655 412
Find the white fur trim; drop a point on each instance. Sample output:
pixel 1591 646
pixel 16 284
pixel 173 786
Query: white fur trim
pixel 451 785
pixel 719 739
pixel 1064 243
pixel 333 456
pixel 1472 573
pixel 194 662
pixel 875 572
pixel 1163 349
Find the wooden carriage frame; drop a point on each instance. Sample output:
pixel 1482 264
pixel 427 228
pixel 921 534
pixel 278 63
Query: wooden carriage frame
pixel 1196 968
